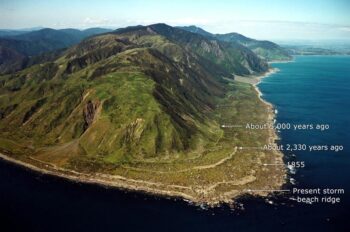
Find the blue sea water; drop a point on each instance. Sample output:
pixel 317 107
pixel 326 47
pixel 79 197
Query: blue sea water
pixel 315 89
pixel 312 89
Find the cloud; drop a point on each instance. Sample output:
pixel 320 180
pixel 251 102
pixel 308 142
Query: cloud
pixel 182 21
pixel 282 30
pixel 259 29
pixel 96 21
pixel 346 29
pixel 189 21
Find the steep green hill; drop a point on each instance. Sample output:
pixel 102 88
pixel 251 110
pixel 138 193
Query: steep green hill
pixel 141 107
pixel 119 94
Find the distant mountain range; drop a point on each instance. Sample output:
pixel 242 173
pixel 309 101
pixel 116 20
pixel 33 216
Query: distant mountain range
pixel 264 49
pixel 17 47
pixel 12 32
pixel 22 48
pixel 316 50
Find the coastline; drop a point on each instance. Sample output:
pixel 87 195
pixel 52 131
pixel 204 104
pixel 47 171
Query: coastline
pixel 281 61
pixel 255 79
pixel 97 179
pixel 152 188
pixel 273 137
pixel 271 117
pixel 258 80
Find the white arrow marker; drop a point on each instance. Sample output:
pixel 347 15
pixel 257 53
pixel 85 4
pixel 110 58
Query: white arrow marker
pixel 241 148
pixel 267 190
pixel 272 164
pixel 231 126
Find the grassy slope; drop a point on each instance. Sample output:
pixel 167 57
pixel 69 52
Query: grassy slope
pixel 131 121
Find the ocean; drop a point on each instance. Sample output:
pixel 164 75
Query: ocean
pixel 310 90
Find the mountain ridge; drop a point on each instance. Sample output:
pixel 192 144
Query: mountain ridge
pixel 263 48
pixel 19 49
pixel 225 54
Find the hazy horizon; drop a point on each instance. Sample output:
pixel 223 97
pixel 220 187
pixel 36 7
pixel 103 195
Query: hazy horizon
pixel 269 19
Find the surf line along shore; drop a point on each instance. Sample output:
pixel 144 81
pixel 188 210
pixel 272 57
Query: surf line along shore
pixel 119 182
pixel 255 81
pixel 149 187
pixel 271 113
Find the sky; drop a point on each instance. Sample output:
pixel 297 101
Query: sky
pixel 260 19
